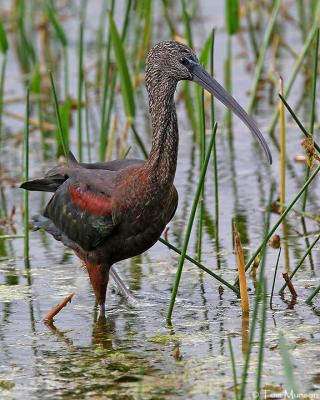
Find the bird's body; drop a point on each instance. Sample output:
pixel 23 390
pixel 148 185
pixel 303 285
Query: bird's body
pixel 107 212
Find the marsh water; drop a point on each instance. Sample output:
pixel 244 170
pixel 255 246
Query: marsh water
pixel 133 354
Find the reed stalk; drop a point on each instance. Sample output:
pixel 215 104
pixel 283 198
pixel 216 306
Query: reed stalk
pixel 251 29
pixel 313 109
pixel 3 49
pixel 313 294
pixel 263 319
pixel 298 122
pixel 311 35
pixel 202 134
pixel 202 267
pixel 234 370
pixel 214 149
pixel 274 278
pixel 106 81
pixel 282 149
pixel 281 218
pixel 80 76
pixel 262 55
pixel 63 142
pixel 189 227
pixel 62 37
pixel 287 366
pixel 25 178
pixel 105 129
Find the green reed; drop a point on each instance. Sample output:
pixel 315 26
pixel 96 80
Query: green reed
pixel 252 36
pixel 106 81
pixel 202 267
pixel 4 46
pixel 63 139
pixel 80 75
pixel 262 54
pixel 263 318
pixel 214 149
pixel 25 178
pixel 106 116
pixel 35 89
pixel 26 53
pixel 127 91
pixel 313 108
pixel 282 217
pixel 298 122
pixel 186 87
pixel 100 44
pixel 232 27
pixel 202 134
pixel 234 370
pixel 274 278
pixel 287 366
pixel 313 294
pixel 62 37
pixel 190 225
pixel 309 40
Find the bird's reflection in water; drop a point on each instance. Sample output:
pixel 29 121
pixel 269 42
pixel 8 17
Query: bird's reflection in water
pixel 103 331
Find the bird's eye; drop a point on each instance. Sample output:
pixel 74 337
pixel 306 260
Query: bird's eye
pixel 185 61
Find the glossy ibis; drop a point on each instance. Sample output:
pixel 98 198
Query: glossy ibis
pixel 107 212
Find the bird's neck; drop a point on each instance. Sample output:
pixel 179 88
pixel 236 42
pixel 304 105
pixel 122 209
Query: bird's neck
pixel 162 161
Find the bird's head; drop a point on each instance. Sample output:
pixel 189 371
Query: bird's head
pixel 173 61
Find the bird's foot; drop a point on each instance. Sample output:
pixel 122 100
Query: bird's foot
pixel 123 289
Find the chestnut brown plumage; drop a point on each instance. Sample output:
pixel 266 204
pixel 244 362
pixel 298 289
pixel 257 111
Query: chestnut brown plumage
pixel 107 212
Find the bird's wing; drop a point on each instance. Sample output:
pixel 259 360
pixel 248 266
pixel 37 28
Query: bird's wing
pixel 81 211
pixel 59 174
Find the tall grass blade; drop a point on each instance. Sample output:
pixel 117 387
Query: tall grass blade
pixel 313 109
pixel 262 55
pixel 282 217
pixel 122 67
pixel 313 294
pixel 311 35
pixel 263 318
pixel 4 45
pixel 234 370
pixel 62 37
pixel 106 72
pixel 63 142
pixel 80 76
pixel 274 278
pixel 201 266
pixel 282 150
pixel 56 25
pixel 287 366
pixel 298 122
pixel 25 178
pixel 4 49
pixel 232 16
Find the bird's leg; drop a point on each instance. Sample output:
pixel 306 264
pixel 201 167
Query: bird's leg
pixel 99 277
pixel 126 292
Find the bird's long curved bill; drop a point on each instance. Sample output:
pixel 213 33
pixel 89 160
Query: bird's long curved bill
pixel 205 80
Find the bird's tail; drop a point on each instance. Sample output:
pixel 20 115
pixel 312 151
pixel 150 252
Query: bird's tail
pixel 53 179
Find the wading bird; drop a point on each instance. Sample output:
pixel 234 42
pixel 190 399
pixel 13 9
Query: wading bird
pixel 107 212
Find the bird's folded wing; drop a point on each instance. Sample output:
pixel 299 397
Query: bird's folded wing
pixel 82 213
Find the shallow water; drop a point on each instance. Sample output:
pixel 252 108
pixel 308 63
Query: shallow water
pixel 133 355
